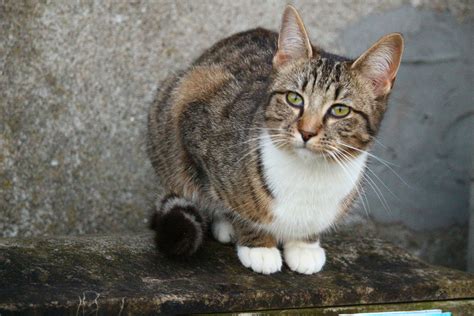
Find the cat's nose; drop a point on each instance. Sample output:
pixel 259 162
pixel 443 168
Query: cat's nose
pixel 306 135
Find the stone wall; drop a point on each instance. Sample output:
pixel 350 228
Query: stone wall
pixel 77 77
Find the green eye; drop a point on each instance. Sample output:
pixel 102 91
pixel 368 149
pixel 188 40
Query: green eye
pixel 294 99
pixel 340 110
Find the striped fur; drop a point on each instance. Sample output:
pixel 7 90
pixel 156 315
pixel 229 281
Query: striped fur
pixel 226 143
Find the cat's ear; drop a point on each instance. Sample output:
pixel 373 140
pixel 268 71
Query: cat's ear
pixel 293 41
pixel 380 63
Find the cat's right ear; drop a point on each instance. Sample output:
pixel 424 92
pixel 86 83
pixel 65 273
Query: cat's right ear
pixel 293 40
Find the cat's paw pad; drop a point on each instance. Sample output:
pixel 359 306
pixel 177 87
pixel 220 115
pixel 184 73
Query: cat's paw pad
pixel 260 259
pixel 223 231
pixel 304 258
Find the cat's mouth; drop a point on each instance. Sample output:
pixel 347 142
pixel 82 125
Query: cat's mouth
pixel 301 149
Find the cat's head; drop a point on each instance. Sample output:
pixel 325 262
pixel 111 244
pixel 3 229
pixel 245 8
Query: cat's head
pixel 325 105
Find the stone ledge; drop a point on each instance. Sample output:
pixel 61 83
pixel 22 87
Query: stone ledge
pixel 125 275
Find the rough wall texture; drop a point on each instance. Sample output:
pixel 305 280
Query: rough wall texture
pixel 76 79
pixel 470 253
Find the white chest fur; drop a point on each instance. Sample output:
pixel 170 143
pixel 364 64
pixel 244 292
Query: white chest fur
pixel 308 191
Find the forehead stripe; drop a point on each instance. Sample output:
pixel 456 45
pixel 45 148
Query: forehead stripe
pixel 305 83
pixel 370 130
pixel 337 71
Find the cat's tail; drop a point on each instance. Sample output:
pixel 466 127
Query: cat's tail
pixel 180 227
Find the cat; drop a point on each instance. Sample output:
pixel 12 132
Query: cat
pixel 266 136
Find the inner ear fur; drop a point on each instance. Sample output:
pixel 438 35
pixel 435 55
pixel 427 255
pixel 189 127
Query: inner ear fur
pixel 380 63
pixel 293 40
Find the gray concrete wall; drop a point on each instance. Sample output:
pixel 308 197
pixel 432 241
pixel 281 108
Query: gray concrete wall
pixel 76 79
pixel 470 250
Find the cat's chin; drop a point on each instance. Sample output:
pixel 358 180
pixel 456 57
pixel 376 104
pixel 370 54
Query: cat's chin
pixel 309 155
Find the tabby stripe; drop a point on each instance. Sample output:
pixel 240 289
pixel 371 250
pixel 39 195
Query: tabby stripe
pixel 337 92
pixel 231 105
pixel 261 174
pixel 275 92
pixel 367 122
pixel 337 72
pixel 305 83
pixel 221 188
pixel 328 84
pixel 252 188
pixel 315 76
pixel 258 100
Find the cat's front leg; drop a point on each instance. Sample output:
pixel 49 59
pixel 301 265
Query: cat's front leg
pixel 258 251
pixel 304 257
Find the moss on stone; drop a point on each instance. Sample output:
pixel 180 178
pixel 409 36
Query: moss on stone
pixel 108 273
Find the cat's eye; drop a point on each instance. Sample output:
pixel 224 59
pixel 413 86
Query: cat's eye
pixel 339 110
pixel 294 99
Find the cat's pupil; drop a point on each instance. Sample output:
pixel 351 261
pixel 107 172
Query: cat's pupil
pixel 340 111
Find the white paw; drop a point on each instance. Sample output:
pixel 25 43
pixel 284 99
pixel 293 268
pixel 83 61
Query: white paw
pixel 223 231
pixel 304 257
pixel 260 259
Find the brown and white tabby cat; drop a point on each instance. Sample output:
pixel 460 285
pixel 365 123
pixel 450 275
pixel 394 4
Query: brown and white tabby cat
pixel 266 136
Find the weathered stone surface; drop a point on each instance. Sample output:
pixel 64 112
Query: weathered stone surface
pixel 430 246
pixel 456 307
pixel 76 78
pixel 112 274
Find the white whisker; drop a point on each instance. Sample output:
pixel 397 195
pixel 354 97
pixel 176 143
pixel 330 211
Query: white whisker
pixel 383 161
pixel 374 186
pixel 333 155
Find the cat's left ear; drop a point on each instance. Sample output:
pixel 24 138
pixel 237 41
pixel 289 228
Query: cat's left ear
pixel 380 63
pixel 293 40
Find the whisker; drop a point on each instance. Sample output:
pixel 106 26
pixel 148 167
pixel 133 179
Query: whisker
pixel 383 161
pixel 332 154
pixel 368 153
pixel 257 138
pixel 256 147
pixel 375 187
pixel 375 174
pixel 379 142
pixel 236 130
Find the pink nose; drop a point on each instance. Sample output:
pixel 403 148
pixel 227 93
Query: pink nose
pixel 306 135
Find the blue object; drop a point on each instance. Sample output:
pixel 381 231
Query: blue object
pixel 432 312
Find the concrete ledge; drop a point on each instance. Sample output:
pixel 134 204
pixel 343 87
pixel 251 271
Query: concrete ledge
pixel 124 274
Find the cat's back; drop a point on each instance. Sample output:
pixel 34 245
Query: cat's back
pixel 244 54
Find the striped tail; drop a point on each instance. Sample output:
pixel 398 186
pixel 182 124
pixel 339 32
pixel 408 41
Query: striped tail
pixel 180 227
